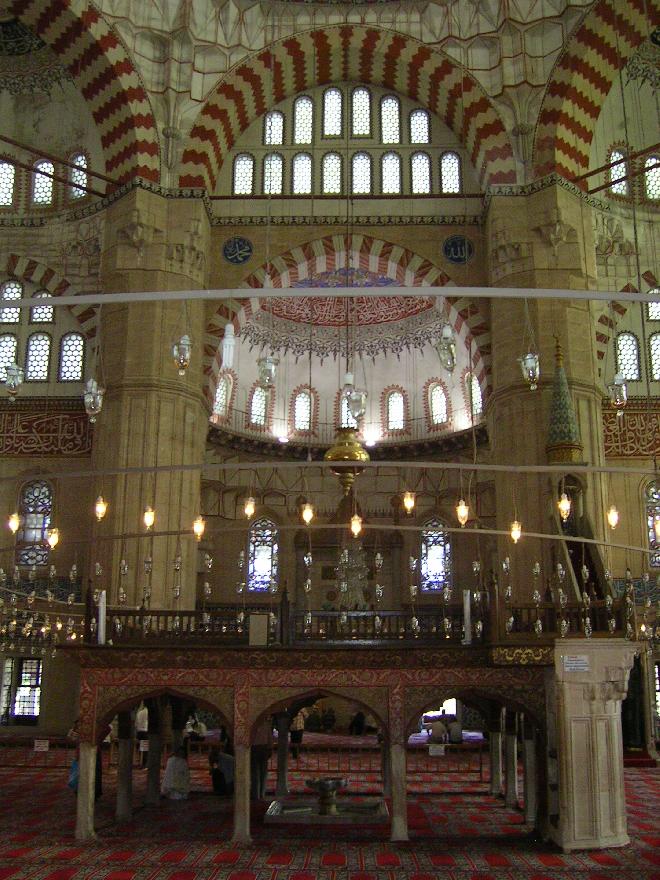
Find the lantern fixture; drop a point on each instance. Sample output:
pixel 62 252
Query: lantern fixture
pixel 618 392
pixel 100 508
pixel 656 526
pixel 250 507
pixel 564 506
pixel 267 369
pixel 530 369
pixel 356 398
pixel 149 517
pixel 14 376
pixel 356 525
pixel 462 512
pixel 181 351
pixel 516 531
pixel 199 525
pixel 612 517
pixel 307 513
pixel 14 522
pixel 53 536
pixel 93 399
pixel 409 501
pixel 446 348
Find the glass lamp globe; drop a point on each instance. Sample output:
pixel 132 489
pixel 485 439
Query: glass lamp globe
pixel 100 508
pixel 53 538
pixel 462 512
pixel 93 399
pixel 530 369
pixel 612 517
pixel 409 501
pixel 181 351
pixel 307 513
pixel 446 348
pixel 357 403
pixel 356 525
pixel 564 506
pixel 199 527
pixel 250 507
pixel 618 392
pixel 14 379
pixel 149 517
pixel 267 369
pixel 14 522
pixel 516 531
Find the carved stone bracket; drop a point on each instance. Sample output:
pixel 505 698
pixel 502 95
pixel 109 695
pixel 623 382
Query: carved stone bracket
pixel 188 257
pixel 139 232
pixel 507 254
pixel 555 231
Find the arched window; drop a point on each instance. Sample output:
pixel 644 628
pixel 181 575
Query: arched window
pixel 262 556
pixel 652 177
pixel 420 128
pixel 627 356
pixel 438 405
pixel 361 173
pixel 474 396
pixel 331 173
pixel 273 174
pixel 35 506
pixel 42 184
pixel 450 173
pixel 7 177
pixel 8 348
pixel 654 351
pixel 618 186
pixel 302 174
pixel 41 314
pixel 332 113
pixel 37 358
pixel 258 407
pixel 346 418
pixel 652 511
pixel 78 176
pixel 303 119
pixel 361 113
pixel 302 411
pixel 653 308
pixel 390 173
pixel 273 128
pixel 243 175
pixel 396 411
pixel 222 397
pixel 72 358
pixel 435 556
pixel 420 173
pixel 390 120
pixel 10 290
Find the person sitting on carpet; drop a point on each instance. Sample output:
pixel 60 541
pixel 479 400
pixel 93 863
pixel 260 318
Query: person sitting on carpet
pixel 455 731
pixel 438 732
pixel 221 768
pixel 297 729
pixel 357 725
pixel 176 780
pixel 195 730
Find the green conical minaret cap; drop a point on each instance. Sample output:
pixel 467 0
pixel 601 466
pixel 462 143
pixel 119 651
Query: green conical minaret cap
pixel 564 442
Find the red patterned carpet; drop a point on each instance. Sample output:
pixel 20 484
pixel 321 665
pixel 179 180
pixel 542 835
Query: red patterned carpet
pixel 469 836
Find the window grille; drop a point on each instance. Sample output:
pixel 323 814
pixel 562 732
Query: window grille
pixel 72 358
pixel 243 175
pixel 42 185
pixel 627 357
pixel 435 557
pixel 262 556
pixel 450 173
pixel 7 178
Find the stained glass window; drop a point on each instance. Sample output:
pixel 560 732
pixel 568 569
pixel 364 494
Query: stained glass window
pixel 627 356
pixel 361 171
pixel 332 113
pixel 435 556
pixel 262 556
pixel 34 507
pixel 258 406
pixel 390 120
pixel 28 690
pixel 273 172
pixel 78 176
pixel 37 358
pixel 8 347
pixel 620 187
pixel 652 177
pixel 274 128
pixel 438 401
pixel 11 290
pixel 361 116
pixel 390 169
pixel 303 118
pixel 474 393
pixel 420 173
pixel 395 411
pixel 653 512
pixel 302 411
pixel 302 174
pixel 331 173
pixel 346 418
pixel 654 351
pixel 7 177
pixel 222 397
pixel 41 314
pixel 653 308
pixel 419 127
pixel 243 175
pixel 42 185
pixel 72 358
pixel 450 173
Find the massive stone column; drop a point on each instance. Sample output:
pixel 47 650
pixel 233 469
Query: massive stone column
pixel 282 786
pixel 151 416
pixel 398 780
pixel 124 806
pixel 591 681
pixel 511 760
pixel 495 751
pixel 152 796
pixel 530 775
pixel 86 792
pixel 241 794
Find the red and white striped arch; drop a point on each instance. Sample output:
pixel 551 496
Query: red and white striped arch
pixel 582 78
pixel 366 253
pixel 100 65
pixel 347 53
pixel 606 324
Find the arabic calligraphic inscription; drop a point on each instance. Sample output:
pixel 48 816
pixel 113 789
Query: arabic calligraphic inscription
pixel 237 250
pixel 457 249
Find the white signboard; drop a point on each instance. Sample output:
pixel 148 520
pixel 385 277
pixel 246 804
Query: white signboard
pixel 576 663
pixel 436 749
pixel 144 745
pixel 41 745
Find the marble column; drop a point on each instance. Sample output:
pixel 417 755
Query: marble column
pixel 241 794
pixel 124 806
pixel 647 663
pixel 511 760
pixel 495 753
pixel 530 775
pixel 282 787
pixel 385 769
pixel 399 826
pixel 154 755
pixel 591 681
pixel 86 786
